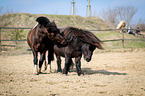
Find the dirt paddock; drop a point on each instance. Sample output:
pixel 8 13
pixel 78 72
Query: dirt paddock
pixel 108 74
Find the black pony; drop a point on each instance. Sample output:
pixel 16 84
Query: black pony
pixel 42 38
pixel 79 42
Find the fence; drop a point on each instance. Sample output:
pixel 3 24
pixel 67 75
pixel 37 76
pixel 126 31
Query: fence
pixel 7 28
pixel 121 39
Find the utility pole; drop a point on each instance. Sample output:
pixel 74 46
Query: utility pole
pixel 89 8
pixel 72 8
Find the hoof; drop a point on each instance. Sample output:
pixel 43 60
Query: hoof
pixel 65 72
pixel 59 71
pixel 48 71
pixel 81 74
pixel 35 72
pixel 39 71
pixel 44 67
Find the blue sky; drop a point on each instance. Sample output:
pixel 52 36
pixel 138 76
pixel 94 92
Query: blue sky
pixel 62 7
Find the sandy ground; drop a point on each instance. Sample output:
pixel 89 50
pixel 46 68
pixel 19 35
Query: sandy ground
pixel 108 74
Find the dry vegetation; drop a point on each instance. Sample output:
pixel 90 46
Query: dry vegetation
pixel 28 20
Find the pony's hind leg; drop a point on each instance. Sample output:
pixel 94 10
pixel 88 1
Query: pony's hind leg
pixel 67 66
pixel 42 58
pixel 35 54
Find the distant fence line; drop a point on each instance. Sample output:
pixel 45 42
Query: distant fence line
pixel 14 28
pixel 122 39
pixel 88 30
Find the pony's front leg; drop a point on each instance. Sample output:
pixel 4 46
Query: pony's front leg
pixel 42 58
pixel 71 65
pixel 35 54
pixel 67 66
pixel 78 65
pixel 58 64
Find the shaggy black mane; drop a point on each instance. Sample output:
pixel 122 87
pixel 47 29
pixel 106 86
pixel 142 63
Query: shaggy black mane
pixel 83 35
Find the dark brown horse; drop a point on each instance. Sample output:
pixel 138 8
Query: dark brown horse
pixel 79 42
pixel 42 38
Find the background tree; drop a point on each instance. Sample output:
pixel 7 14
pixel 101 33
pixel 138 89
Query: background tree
pixel 126 13
pixel 110 16
pixel 121 13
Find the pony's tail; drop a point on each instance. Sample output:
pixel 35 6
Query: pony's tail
pixel 43 21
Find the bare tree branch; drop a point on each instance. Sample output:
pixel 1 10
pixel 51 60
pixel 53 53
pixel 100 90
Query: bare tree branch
pixel 123 13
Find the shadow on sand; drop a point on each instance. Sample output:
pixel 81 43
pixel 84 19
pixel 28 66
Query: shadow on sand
pixel 88 71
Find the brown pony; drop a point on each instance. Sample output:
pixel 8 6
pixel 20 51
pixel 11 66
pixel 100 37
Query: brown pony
pixel 79 42
pixel 41 38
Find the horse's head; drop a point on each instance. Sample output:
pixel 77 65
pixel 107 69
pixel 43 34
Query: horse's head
pixel 87 50
pixel 51 30
pixel 54 34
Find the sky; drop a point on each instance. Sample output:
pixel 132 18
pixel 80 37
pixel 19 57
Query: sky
pixel 62 7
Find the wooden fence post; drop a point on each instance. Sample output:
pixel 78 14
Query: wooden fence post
pixel 122 38
pixel 0 39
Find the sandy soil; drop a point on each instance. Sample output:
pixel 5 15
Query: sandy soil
pixel 108 74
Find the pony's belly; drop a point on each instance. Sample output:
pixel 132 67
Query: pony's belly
pixel 59 51
pixel 76 54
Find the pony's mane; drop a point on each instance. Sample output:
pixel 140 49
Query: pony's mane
pixel 43 21
pixel 83 35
